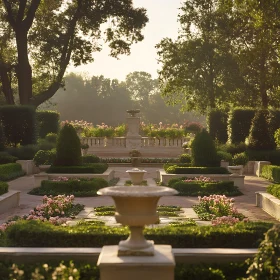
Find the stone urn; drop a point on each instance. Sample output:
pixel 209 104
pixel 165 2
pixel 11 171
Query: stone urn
pixel 136 175
pixel 236 169
pixel 136 207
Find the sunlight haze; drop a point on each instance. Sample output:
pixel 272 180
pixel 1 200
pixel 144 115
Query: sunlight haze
pixel 162 23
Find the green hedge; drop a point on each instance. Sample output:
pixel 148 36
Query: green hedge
pixel 217 125
pixel 10 171
pixel 4 187
pixel 239 123
pixel 271 173
pixel 47 122
pixel 273 156
pixel 23 152
pixel 93 168
pixel 175 169
pixel 90 159
pixel 42 234
pixel 274 190
pixel 81 188
pixel 203 188
pixel 6 158
pixel 19 124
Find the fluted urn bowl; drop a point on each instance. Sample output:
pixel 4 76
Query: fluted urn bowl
pixel 136 207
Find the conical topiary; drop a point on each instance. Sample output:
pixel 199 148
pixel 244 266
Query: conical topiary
pixel 203 149
pixel 259 136
pixel 68 147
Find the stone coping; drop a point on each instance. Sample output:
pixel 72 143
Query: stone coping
pixel 9 200
pixel 269 204
pixel 182 255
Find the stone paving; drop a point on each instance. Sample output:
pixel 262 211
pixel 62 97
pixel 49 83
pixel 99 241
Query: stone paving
pixel 245 203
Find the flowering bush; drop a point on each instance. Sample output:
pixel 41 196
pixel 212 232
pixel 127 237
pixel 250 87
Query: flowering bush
pixel 200 179
pixel 56 210
pixel 78 125
pixel 213 206
pixel 227 220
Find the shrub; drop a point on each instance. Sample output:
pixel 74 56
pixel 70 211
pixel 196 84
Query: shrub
pixel 3 187
pixel 259 136
pixel 47 122
pixel 90 159
pixel 44 144
pixel 271 173
pixel 77 187
pixel 224 156
pixel 23 152
pixel 217 125
pixel 2 138
pixel 51 137
pixel 277 137
pixel 93 168
pixel 272 156
pixel 239 123
pixel 6 158
pixel 68 148
pixel 266 263
pixel 233 148
pixel 175 169
pixel 10 171
pixel 193 127
pixel 44 157
pixel 274 190
pixel 203 150
pixel 240 159
pixel 185 158
pixel 19 124
pixel 274 121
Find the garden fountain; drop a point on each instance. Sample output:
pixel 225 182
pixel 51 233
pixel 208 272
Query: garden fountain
pixel 136 175
pixel 136 257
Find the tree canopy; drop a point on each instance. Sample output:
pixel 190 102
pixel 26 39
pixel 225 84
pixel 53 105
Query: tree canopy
pixel 39 39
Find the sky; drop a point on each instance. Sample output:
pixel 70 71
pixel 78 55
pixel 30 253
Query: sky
pixel 163 15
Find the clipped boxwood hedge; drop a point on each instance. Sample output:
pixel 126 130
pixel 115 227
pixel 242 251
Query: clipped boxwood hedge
pixel 3 188
pixel 79 188
pixel 175 169
pixel 271 173
pixel 274 190
pixel 6 158
pixel 42 234
pixel 196 188
pixel 10 171
pixel 93 168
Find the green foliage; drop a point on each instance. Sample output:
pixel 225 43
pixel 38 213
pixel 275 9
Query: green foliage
pixel 272 156
pixel 266 263
pixel 19 124
pixel 44 157
pixel 217 125
pixel 185 158
pixel 51 137
pixel 193 127
pixel 274 121
pixel 224 156
pixel 47 122
pixel 277 137
pixel 175 169
pixel 78 187
pixel 239 123
pixel 233 148
pixel 6 158
pixel 240 159
pixel 23 152
pixel 259 136
pixel 68 147
pixel 271 173
pixel 10 171
pixel 44 144
pixel 90 159
pixel 274 190
pixel 203 150
pixel 2 138
pixel 39 234
pixel 4 187
pixel 93 168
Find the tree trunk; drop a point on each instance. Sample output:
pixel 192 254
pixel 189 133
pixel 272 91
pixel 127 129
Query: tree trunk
pixel 23 69
pixel 263 89
pixel 6 85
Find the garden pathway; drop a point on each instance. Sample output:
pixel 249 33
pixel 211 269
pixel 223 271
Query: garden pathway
pixel 245 203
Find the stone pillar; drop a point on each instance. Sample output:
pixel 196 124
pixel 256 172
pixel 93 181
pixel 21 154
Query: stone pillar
pixel 133 138
pixel 258 167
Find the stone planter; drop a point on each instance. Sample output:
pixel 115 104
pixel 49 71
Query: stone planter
pixel 136 175
pixel 238 169
pixel 44 167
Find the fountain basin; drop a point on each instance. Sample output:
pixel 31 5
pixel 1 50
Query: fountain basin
pixel 136 175
pixel 136 207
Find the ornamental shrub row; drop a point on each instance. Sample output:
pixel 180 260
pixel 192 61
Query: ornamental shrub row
pixel 78 187
pixel 274 190
pixel 271 173
pixel 6 158
pixel 34 233
pixel 175 169
pixel 203 188
pixel 3 187
pixel 93 168
pixel 10 171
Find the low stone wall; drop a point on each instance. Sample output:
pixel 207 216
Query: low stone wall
pixel 9 200
pixel 269 203
pixel 38 178
pixel 238 180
